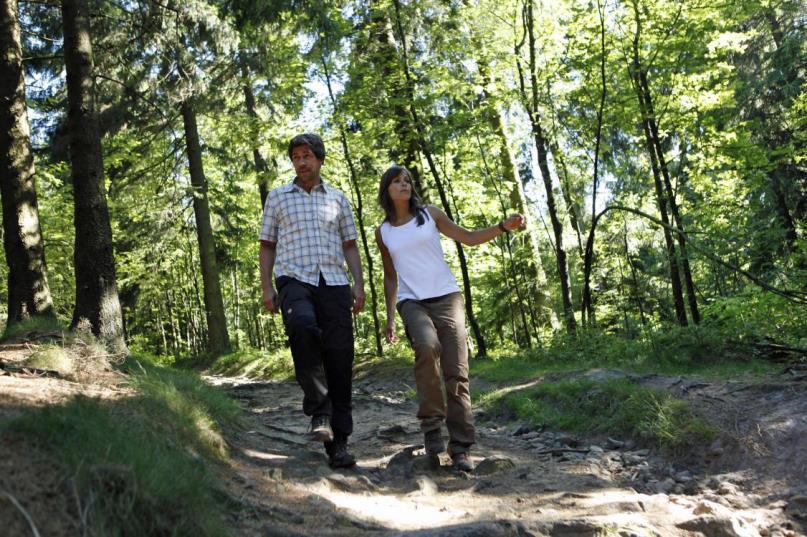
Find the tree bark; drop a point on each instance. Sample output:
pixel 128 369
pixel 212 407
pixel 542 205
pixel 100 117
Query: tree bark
pixel 543 164
pixel 354 181
pixel 218 341
pixel 661 199
pixel 677 220
pixel 261 167
pixel 587 307
pixel 28 291
pixel 96 286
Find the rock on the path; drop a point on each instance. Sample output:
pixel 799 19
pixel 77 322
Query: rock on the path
pixel 492 465
pixel 578 528
pixel 797 506
pixel 426 486
pixel 715 520
pixel 502 528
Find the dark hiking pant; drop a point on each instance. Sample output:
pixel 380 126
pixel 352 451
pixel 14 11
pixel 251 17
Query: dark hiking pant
pixel 319 326
pixel 436 329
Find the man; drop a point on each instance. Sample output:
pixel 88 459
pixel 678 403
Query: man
pixel 307 234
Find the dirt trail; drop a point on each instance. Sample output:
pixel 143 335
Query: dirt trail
pixel 526 483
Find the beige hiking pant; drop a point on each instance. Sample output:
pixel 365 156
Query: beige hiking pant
pixel 436 329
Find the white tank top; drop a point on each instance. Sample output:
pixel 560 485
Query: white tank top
pixel 417 256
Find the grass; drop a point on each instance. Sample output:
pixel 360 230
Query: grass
pixel 617 406
pixel 32 325
pixel 140 463
pixel 254 363
pixel 694 350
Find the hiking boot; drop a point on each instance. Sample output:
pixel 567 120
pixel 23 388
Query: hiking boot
pixel 433 442
pixel 320 430
pixel 461 462
pixel 338 455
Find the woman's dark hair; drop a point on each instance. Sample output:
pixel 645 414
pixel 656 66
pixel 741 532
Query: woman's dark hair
pixel 311 140
pixel 416 206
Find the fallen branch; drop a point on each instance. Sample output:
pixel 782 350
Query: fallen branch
pixel 553 451
pixel 34 371
pixel 22 510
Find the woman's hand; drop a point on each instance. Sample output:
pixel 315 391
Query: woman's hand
pixel 513 222
pixel 389 333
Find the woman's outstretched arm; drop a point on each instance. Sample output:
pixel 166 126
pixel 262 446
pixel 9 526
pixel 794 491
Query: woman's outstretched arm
pixel 471 238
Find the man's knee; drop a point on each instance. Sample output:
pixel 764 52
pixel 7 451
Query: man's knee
pixel 302 326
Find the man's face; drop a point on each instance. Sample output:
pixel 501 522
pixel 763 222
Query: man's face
pixel 306 164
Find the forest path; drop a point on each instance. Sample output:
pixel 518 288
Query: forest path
pixel 526 482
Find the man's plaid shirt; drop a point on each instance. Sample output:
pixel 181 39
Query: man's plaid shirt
pixel 309 229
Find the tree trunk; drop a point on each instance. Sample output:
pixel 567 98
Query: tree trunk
pixel 261 168
pixel 96 287
pixel 675 279
pixel 426 150
pixel 541 146
pixel 218 341
pixel 679 223
pixel 354 181
pixel 587 307
pixel 28 291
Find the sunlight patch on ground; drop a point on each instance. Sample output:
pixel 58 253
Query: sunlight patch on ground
pixel 262 455
pixel 394 512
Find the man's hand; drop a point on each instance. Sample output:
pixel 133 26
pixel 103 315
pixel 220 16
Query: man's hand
pixel 270 301
pixel 358 297
pixel 389 333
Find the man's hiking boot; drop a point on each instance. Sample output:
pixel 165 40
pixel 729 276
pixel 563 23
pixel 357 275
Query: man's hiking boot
pixel 433 442
pixel 461 462
pixel 338 455
pixel 320 430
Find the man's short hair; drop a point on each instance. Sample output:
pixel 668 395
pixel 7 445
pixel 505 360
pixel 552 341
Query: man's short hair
pixel 313 142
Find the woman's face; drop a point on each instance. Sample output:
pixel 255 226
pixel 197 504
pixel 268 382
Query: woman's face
pixel 400 189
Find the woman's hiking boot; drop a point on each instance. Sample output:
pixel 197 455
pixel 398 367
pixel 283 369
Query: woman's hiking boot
pixel 433 442
pixel 462 462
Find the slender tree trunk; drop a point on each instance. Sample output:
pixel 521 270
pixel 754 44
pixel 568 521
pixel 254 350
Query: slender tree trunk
pixel 354 181
pixel 675 279
pixel 218 341
pixel 28 291
pixel 261 166
pixel 426 150
pixel 404 150
pixel 679 223
pixel 96 287
pixel 543 164
pixel 588 258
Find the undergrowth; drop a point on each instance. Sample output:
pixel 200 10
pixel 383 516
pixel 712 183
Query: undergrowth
pixel 138 465
pixel 616 406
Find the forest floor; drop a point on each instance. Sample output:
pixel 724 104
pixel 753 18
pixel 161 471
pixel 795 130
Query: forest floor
pixel 752 480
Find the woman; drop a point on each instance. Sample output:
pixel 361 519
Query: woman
pixel 418 279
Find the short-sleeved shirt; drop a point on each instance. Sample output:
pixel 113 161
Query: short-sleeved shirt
pixel 309 229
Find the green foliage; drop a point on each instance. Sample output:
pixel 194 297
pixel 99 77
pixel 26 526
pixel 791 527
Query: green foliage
pixel 254 363
pixel 758 316
pixel 699 350
pixel 140 463
pixel 616 406
pixel 52 357
pixel 33 326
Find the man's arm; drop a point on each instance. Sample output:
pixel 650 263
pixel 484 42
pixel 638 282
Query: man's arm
pixel 266 258
pixel 353 259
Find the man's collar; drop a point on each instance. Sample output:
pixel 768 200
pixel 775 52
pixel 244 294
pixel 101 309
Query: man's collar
pixel 293 185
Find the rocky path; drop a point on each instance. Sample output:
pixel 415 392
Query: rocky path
pixel 527 482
